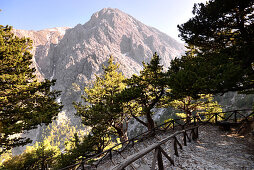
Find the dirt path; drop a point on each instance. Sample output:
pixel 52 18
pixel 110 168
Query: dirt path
pixel 216 149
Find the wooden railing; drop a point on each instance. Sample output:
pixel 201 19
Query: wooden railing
pixel 174 124
pixel 157 157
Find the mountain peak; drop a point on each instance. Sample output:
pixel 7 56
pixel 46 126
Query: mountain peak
pixel 108 12
pixel 79 54
pixel 73 59
pixel 111 16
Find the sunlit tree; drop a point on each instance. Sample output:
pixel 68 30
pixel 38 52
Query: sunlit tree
pixel 25 103
pixel 221 36
pixel 102 108
pixel 145 91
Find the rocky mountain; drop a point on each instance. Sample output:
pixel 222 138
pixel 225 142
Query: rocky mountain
pixel 73 56
pixel 235 101
pixel 42 41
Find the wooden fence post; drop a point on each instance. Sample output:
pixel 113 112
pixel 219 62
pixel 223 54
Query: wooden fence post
pixel 216 118
pixel 160 161
pixel 184 138
pixel 197 131
pixel 154 158
pixel 235 118
pixel 110 156
pixel 175 147
pixel 82 164
pixel 166 155
pixel 194 135
pixel 132 142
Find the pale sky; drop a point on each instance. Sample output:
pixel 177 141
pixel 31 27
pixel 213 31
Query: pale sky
pixel 41 14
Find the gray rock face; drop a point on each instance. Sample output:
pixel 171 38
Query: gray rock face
pixel 73 56
pixel 235 101
pixel 84 49
pixel 42 41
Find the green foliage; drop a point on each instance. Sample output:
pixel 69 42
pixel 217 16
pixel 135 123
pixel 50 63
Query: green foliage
pixel 168 121
pixel 5 156
pixel 103 112
pixel 93 143
pixel 59 134
pixel 146 90
pixel 39 156
pixel 65 137
pixel 191 107
pixel 55 137
pixel 24 102
pixel 221 41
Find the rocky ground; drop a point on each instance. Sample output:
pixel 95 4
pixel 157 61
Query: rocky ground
pixel 215 149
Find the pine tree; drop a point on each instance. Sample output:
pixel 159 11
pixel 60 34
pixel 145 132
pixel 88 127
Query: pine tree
pixel 102 109
pixel 221 34
pixel 39 156
pixel 191 107
pixel 146 91
pixel 25 103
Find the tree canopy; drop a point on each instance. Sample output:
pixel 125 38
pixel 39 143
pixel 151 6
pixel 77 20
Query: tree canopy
pixel 25 103
pixel 146 90
pixel 221 41
pixel 191 107
pixel 101 108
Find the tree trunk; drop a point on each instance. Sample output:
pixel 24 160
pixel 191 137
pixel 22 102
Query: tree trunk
pixel 150 122
pixel 122 131
pixel 188 116
pixel 123 136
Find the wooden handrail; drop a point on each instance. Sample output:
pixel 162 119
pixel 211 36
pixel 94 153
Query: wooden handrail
pixel 149 149
pixel 144 134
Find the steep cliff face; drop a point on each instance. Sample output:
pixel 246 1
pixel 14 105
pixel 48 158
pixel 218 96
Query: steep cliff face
pixel 73 56
pixel 42 42
pixel 235 101
pixel 85 48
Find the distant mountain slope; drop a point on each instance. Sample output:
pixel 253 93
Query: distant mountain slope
pixel 73 56
pixel 42 41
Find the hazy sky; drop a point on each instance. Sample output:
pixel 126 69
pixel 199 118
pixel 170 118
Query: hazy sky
pixel 40 14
